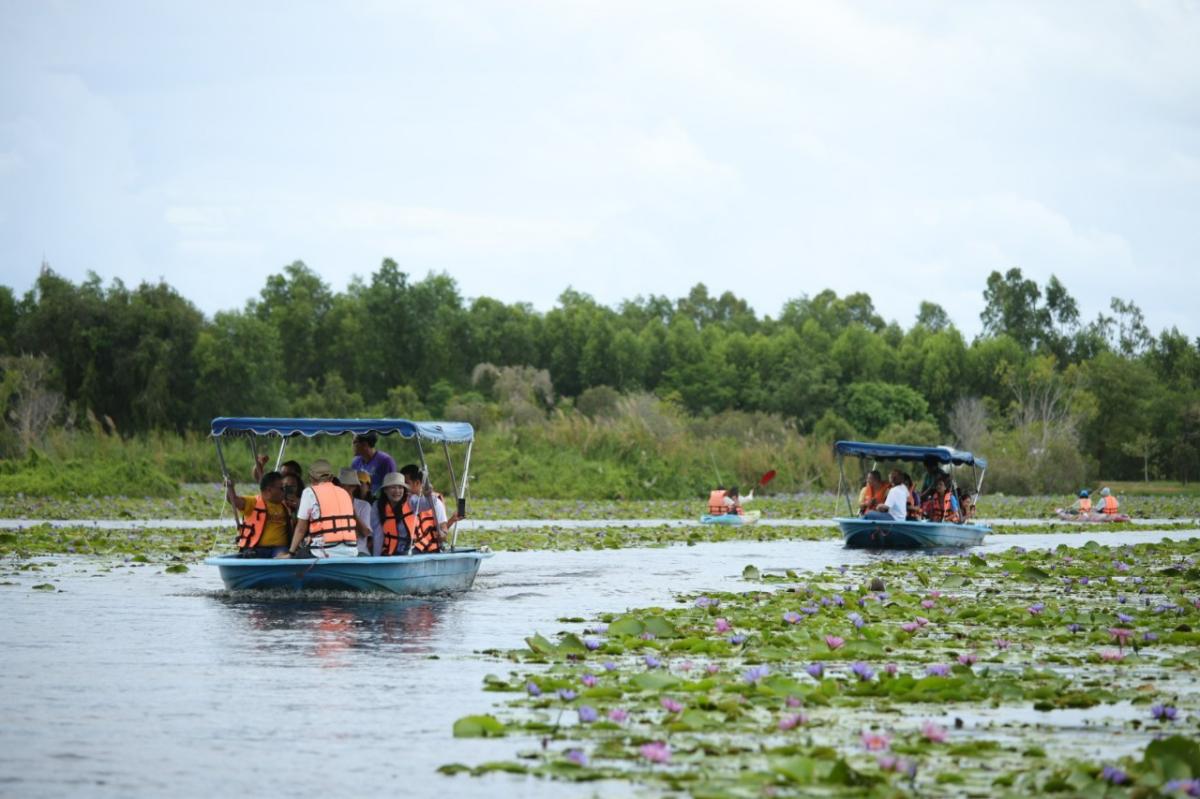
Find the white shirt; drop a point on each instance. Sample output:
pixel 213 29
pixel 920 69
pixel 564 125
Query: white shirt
pixel 309 509
pixel 419 503
pixel 897 502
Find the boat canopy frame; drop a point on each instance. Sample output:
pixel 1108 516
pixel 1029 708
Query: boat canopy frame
pixel 434 432
pixel 878 451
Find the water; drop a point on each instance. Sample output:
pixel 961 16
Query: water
pixel 133 682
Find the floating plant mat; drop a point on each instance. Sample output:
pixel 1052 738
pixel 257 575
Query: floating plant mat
pixel 1072 670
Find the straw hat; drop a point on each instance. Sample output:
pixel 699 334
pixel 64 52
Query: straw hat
pixel 348 478
pixel 393 479
pixel 320 468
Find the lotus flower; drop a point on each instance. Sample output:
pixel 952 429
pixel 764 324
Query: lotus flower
pixel 722 626
pixel 876 741
pixel 651 661
pixel 576 756
pixel 671 705
pixel 834 642
pixel 792 720
pixel 937 670
pixel 1121 635
pixel 587 714
pixel 968 658
pixel 1164 712
pixel 1112 656
pixel 656 752
pixel 792 617
pixel 1114 775
pixel 909 627
pixel 533 689
pixel 588 680
pixel 618 715
pixel 566 694
pixel 862 671
pixel 933 733
pixel 815 670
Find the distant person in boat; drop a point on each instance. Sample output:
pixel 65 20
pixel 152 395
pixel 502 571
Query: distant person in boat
pixel 942 506
pixel 933 470
pixel 914 499
pixel 895 505
pixel 873 494
pixel 293 487
pixel 374 462
pixel 716 502
pixel 288 467
pixel 325 516
pixel 391 518
pixel 733 500
pixel 1084 503
pixel 263 531
pixel 966 504
pixel 432 523
pixel 1108 503
pixel 348 480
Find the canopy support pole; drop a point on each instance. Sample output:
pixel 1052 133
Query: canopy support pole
pixel 457 494
pixel 225 480
pixel 843 483
pixel 279 458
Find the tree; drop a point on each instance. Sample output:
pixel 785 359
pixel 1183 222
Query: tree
pixel 239 368
pixel 933 317
pixel 872 406
pixel 1011 308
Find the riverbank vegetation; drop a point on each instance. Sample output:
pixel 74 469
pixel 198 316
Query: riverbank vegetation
pixel 1020 673
pixel 586 401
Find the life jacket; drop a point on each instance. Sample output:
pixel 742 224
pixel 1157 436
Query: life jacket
pixel 949 514
pixel 250 528
pixel 423 529
pixel 1085 504
pixel 1109 505
pixel 941 511
pixel 878 497
pixel 716 503
pixel 338 524
pixel 392 526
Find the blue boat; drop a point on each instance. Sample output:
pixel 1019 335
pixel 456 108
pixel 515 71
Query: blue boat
pixel 859 532
pixel 451 570
pixel 732 519
pixel 442 572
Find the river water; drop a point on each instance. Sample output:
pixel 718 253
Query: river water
pixel 128 681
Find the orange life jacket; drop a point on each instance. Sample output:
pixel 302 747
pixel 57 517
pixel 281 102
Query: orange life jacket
pixel 423 529
pixel 878 497
pixel 941 512
pixel 250 528
pixel 716 503
pixel 1085 504
pixel 1109 505
pixel 419 528
pixel 949 514
pixel 338 524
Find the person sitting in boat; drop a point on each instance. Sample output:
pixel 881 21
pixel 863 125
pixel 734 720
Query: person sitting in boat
pixel 391 518
pixel 733 500
pixel 263 531
pixel 348 480
pixel 419 504
pixel 1108 503
pixel 966 504
pixel 293 487
pixel 933 470
pixel 325 515
pixel 375 462
pixel 943 505
pixel 716 502
pixel 1084 503
pixel 873 494
pixel 895 504
pixel 914 499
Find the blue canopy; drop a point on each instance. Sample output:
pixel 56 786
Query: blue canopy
pixel 452 432
pixel 904 452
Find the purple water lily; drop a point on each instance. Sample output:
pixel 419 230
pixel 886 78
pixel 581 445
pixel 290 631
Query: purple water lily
pixel 862 671
pixel 968 658
pixel 909 626
pixel 1186 787
pixel 1164 712
pixel 651 661
pixel 856 620
pixel 610 666
pixel 792 617
pixel 576 756
pixel 737 640
pixel 591 643
pixel 618 715
pixel 837 600
pixel 756 673
pixel 1149 637
pixel 937 670
pixel 587 714
pixel 588 680
pixel 707 602
pixel 1074 628
pixel 1114 775
pixel 1036 608
pixel 722 625
pixel 1122 599
pixel 1003 643
pixel 792 701
pixel 834 642
pixel 656 752
pixel 792 720
pixel 566 694
pixel 815 670
pixel 1124 618
pixel 671 705
pixel 533 689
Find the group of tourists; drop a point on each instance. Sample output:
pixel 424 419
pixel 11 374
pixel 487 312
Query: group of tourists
pixel 370 505
pixel 1108 503
pixel 899 500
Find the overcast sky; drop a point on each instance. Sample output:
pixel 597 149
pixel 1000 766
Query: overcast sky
pixel 622 148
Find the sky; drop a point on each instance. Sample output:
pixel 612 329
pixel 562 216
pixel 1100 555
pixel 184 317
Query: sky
pixel 773 149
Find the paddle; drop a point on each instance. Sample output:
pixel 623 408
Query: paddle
pixel 762 481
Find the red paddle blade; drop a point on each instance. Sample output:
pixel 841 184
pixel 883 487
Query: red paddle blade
pixel 766 478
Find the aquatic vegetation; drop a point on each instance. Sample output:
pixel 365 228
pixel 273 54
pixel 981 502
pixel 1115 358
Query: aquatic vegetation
pixel 798 703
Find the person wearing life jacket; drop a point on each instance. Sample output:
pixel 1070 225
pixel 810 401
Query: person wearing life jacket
pixel 1084 503
pixel 431 524
pixel 325 517
pixel 350 481
pixel 914 499
pixel 388 512
pixel 943 505
pixel 716 502
pixel 265 527
pixel 873 494
pixel 1108 503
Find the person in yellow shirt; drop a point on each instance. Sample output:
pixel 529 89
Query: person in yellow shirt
pixel 265 529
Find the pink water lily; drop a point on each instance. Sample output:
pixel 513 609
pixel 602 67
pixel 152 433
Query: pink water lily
pixel 712 668
pixel 910 626
pixel 876 741
pixel 618 715
pixel 792 720
pixel 656 752
pixel 834 642
pixel 671 705
pixel 1003 643
pixel 1112 656
pixel 792 701
pixel 968 658
pixel 927 603
pixel 722 625
pixel 921 620
pixel 1121 635
pixel 933 732
pixel 589 680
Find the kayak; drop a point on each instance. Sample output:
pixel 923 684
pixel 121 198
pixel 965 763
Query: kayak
pixel 1090 517
pixel 435 573
pixel 732 519
pixel 881 534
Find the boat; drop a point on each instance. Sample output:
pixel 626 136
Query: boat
pixel 1090 517
pixel 732 519
pixel 858 532
pixel 450 571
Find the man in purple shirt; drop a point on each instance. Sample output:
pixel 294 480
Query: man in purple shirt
pixel 374 462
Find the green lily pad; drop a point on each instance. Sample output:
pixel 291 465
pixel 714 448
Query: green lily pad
pixel 479 727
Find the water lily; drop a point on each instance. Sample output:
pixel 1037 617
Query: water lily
pixel 647 636
pixel 656 752
pixel 876 741
pixel 896 764
pixel 1149 637
pixel 756 673
pixel 927 603
pixel 1186 787
pixel 617 715
pixel 589 680
pixel 909 626
pixel 1164 712
pixel 792 701
pixel 722 626
pixel 1112 655
pixel 1122 599
pixel 1003 643
pixel 566 694
pixel 933 732
pixel 1036 608
pixel 891 669
pixel 792 720
pixel 686 665
pixel 937 670
pixel 737 640
pixel 671 705
pixel 922 621
pixel 533 689
pixel 792 617
pixel 834 642
pixel 652 662
pixel 815 670
pixel 1124 618
pixel 1074 628
pixel 707 602
pixel 837 600
pixel 591 643
pixel 712 668
pixel 576 756
pixel 587 714
pixel 968 658
pixel 856 620
pixel 862 671
pixel 1114 775
pixel 610 666
pixel 1121 635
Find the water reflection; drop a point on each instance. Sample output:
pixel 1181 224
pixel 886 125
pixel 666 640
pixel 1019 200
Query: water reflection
pixel 329 627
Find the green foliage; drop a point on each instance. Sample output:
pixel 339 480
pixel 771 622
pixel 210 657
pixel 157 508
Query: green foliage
pixel 37 475
pixel 872 406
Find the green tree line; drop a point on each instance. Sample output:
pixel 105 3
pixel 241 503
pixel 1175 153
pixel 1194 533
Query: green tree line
pixel 1055 399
